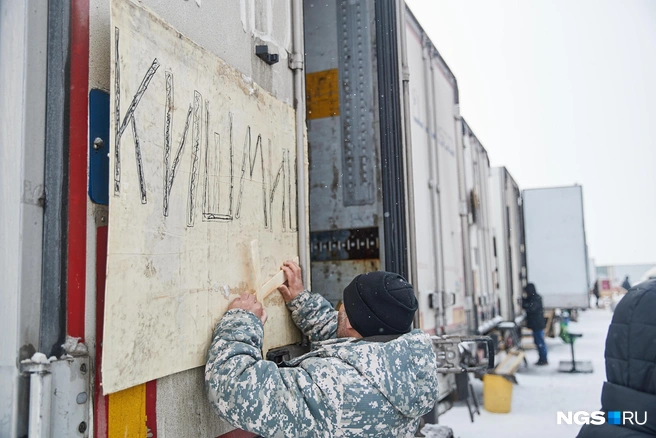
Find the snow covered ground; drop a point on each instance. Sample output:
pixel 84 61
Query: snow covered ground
pixel 543 391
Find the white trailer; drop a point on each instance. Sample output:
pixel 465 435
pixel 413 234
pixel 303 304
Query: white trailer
pixel 477 179
pixel 435 212
pixel 508 243
pixel 433 174
pixel 348 133
pixel 55 74
pixel 386 168
pixel 556 250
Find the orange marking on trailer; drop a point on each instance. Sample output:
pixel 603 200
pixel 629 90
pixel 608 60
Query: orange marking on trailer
pixel 322 90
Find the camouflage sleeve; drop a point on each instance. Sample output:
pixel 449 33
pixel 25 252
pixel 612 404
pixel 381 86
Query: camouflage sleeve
pixel 254 394
pixel 314 315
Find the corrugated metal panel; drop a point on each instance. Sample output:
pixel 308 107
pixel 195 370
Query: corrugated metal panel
pixel 425 206
pixel 356 96
pixel 477 170
pixel 344 173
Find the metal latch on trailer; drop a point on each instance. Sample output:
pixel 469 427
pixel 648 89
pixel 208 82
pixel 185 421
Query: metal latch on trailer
pixel 463 354
pixel 59 397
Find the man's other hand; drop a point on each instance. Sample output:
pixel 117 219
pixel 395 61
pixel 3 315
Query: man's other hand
pixel 294 284
pixel 250 303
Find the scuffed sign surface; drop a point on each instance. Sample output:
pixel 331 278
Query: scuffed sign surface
pixel 202 166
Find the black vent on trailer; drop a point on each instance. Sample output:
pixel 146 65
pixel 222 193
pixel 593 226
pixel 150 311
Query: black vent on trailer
pixel 391 141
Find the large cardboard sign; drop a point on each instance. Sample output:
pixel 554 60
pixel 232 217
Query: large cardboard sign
pixel 202 199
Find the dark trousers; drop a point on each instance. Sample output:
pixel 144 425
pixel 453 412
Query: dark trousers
pixel 538 338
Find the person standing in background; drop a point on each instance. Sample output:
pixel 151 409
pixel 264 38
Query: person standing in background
pixel 532 303
pixel 626 284
pixel 595 291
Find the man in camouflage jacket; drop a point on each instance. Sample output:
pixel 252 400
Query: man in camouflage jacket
pixel 346 386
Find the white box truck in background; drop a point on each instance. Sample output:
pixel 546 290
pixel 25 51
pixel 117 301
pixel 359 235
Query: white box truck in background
pixel 556 250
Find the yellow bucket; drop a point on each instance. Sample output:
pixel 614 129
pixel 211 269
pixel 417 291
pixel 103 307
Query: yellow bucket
pixel 497 394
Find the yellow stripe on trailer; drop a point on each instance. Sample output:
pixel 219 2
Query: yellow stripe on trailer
pixel 127 413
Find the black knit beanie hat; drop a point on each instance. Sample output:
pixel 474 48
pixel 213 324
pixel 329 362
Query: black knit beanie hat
pixel 380 303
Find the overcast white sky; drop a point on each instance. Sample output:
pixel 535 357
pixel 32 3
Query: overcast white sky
pixel 563 92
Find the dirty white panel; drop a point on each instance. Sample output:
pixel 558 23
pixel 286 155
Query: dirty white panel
pixel 202 164
pixel 182 407
pixel 449 198
pixel 230 29
pixel 477 168
pixel 499 220
pixel 515 242
pixel 505 215
pixel 426 214
pixel 424 197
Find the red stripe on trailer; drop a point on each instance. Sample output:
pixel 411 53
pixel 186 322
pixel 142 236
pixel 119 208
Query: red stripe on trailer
pixel 77 168
pixel 238 433
pixel 151 408
pixel 101 403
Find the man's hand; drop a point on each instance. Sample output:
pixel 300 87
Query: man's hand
pixel 250 303
pixel 294 284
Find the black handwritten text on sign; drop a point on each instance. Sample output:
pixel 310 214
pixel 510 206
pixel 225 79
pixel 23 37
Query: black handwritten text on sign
pixel 198 121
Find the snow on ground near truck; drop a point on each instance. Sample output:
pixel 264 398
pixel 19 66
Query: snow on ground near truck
pixel 543 391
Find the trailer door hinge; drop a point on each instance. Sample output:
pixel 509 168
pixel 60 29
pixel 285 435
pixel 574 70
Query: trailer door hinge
pixel 67 395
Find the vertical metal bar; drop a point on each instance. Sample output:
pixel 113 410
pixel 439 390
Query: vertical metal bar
pixel 53 299
pixel 472 317
pixel 40 401
pixel 440 229
pixel 408 164
pixel 585 241
pixel 433 183
pixel 297 65
pixel 391 140
pixel 522 236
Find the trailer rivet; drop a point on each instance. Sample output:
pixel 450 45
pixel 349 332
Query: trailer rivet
pixel 82 427
pixel 98 143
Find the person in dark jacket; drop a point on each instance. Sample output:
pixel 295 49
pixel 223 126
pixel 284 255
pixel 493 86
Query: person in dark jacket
pixel 626 284
pixel 630 367
pixel 595 291
pixel 532 303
